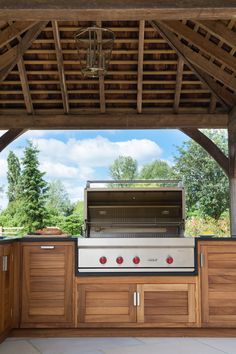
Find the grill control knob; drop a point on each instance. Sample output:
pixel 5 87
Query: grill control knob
pixel 103 260
pixel 136 260
pixel 119 260
pixel 169 260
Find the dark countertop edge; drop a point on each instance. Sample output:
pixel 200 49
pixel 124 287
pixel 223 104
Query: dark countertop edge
pixel 75 239
pixel 39 239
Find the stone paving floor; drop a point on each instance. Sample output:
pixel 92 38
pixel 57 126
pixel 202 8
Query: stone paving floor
pixel 132 345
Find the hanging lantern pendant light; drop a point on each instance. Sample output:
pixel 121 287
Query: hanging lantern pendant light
pixel 94 45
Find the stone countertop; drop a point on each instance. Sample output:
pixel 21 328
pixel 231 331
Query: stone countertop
pixel 37 239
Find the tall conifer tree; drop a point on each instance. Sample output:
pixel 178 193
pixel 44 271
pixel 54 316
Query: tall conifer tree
pixel 13 177
pixel 34 189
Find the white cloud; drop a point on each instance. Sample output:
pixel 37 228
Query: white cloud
pixel 75 161
pixel 97 152
pixel 58 170
pixel 3 167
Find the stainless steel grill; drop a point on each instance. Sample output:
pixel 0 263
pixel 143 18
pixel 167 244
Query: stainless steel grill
pixel 135 229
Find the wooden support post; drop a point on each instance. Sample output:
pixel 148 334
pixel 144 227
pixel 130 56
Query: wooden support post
pixel 232 169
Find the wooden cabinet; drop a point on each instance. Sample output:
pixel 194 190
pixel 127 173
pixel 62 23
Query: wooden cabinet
pixel 106 303
pixel 167 305
pixel 218 283
pixel 167 302
pixel 6 287
pixel 47 284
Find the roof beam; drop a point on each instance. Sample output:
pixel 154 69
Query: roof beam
pixel 14 30
pixel 10 136
pixel 60 65
pixel 210 147
pixel 77 10
pixel 24 80
pixel 179 78
pixel 198 65
pixel 114 121
pixel 25 86
pixel 220 30
pixel 102 97
pixel 9 59
pixel 140 65
pixel 199 41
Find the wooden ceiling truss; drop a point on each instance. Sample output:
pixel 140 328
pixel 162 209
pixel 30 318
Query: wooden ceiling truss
pixel 163 73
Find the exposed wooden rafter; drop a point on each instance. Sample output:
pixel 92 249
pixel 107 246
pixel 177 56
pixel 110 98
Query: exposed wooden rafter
pixel 14 30
pixel 25 86
pixel 10 136
pixel 9 59
pixel 60 65
pixel 200 66
pixel 84 10
pixel 209 146
pixel 24 80
pixel 140 65
pixel 219 29
pixel 179 78
pixel 202 43
pixel 102 97
pixel 114 121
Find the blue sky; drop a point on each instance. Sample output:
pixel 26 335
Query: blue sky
pixel 76 156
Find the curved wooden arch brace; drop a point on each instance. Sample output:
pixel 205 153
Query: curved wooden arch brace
pixel 10 136
pixel 210 147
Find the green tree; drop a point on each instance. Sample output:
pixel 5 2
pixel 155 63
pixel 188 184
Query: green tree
pixel 156 170
pixel 13 176
pixel 123 168
pixel 57 199
pixel 33 190
pixel 206 184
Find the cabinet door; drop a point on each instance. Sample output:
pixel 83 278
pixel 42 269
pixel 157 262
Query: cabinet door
pixel 7 287
pixel 167 305
pixel 47 290
pixel 106 304
pixel 218 284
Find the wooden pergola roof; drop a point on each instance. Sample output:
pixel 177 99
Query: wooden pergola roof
pixel 173 66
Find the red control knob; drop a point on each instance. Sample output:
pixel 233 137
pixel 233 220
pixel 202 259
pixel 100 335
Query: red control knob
pixel 103 260
pixel 119 260
pixel 169 260
pixel 136 260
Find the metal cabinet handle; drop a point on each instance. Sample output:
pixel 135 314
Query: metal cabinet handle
pixel 47 247
pixel 138 299
pixel 202 260
pixel 135 298
pixel 4 263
